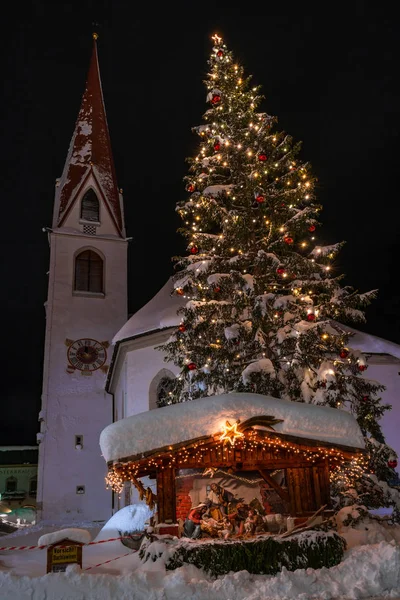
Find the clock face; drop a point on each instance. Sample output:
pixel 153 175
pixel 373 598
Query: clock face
pixel 86 354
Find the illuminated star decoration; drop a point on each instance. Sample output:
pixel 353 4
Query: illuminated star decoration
pixel 230 433
pixel 217 39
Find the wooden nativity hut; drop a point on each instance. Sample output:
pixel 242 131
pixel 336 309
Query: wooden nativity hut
pixel 278 452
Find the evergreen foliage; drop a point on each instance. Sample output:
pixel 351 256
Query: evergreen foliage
pixel 265 304
pixel 265 555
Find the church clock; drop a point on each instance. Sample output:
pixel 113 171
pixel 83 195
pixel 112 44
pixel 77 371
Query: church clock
pixel 86 354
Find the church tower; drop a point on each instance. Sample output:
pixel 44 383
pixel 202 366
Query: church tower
pixel 86 306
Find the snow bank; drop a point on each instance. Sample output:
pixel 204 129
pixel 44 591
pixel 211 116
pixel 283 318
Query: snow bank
pixel 370 570
pixel 129 519
pixel 72 533
pixel 206 416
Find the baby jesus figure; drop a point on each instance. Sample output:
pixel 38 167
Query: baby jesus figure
pixel 227 529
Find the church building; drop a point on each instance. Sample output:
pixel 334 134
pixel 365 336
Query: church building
pixel 86 305
pixel 100 367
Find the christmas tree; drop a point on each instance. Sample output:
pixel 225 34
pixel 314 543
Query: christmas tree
pixel 265 305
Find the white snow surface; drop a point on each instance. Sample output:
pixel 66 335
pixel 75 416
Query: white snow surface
pixel 72 533
pixel 158 313
pixel 207 416
pixel 129 519
pixel 370 570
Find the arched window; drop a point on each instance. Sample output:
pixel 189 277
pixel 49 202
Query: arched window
pixel 164 388
pixel 160 388
pixel 90 209
pixel 88 272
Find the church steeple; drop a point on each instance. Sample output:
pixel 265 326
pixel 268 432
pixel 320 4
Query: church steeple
pixel 90 154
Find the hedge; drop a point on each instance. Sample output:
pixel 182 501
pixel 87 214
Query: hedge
pixel 263 555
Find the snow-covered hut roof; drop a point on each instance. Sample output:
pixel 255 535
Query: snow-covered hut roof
pixel 177 423
pixel 160 312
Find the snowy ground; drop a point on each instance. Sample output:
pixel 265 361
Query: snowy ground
pixel 370 569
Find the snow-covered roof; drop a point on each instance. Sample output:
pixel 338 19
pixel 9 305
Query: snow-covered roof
pixel 176 423
pixel 371 343
pixel 158 313
pixel 161 311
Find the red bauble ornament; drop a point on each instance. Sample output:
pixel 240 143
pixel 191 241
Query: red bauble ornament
pixel 310 317
pixel 262 157
pixel 365 398
pixel 217 289
pixel 217 146
pixel 182 328
pixel 281 270
pixel 311 228
pixel 392 463
pixel 362 367
pixel 190 187
pixel 179 291
pixel 194 250
pixel 260 199
pixel 220 53
pixel 191 366
pixel 344 353
pixel 216 98
pixel 288 240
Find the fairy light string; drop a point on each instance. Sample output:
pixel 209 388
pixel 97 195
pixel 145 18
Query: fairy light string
pixel 253 444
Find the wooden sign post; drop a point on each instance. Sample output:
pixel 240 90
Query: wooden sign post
pixel 63 553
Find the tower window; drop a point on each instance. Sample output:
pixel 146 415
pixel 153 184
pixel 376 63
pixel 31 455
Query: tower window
pixel 88 272
pixel 90 209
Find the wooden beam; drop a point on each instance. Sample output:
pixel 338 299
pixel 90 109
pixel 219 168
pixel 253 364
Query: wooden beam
pixel 213 440
pixel 279 490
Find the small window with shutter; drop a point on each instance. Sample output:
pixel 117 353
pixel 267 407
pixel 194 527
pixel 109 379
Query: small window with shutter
pixel 90 208
pixel 89 272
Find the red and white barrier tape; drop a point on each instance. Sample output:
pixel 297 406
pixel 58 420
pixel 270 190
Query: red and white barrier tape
pixel 108 561
pixel 62 545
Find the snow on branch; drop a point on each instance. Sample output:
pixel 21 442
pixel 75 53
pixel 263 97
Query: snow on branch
pixel 214 190
pixel 263 365
pixel 325 250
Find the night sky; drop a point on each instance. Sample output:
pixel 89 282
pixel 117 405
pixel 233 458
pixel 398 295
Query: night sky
pixel 331 79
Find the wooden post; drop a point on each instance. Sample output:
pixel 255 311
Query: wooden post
pixel 166 495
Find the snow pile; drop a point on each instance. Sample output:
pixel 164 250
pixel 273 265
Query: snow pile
pixel 366 530
pixel 207 416
pixel 129 519
pixel 370 570
pixel 72 533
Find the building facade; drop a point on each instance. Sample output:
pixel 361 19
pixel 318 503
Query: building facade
pixel 86 305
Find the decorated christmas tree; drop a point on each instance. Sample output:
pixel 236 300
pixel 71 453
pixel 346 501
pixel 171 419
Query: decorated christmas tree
pixel 265 306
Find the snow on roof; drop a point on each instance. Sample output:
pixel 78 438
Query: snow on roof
pixel 161 310
pixel 72 533
pixel 371 343
pixel 158 313
pixel 206 416
pixel 17 448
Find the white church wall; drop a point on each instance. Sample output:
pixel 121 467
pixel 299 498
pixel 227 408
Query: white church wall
pixel 389 375
pixel 74 404
pixel 143 365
